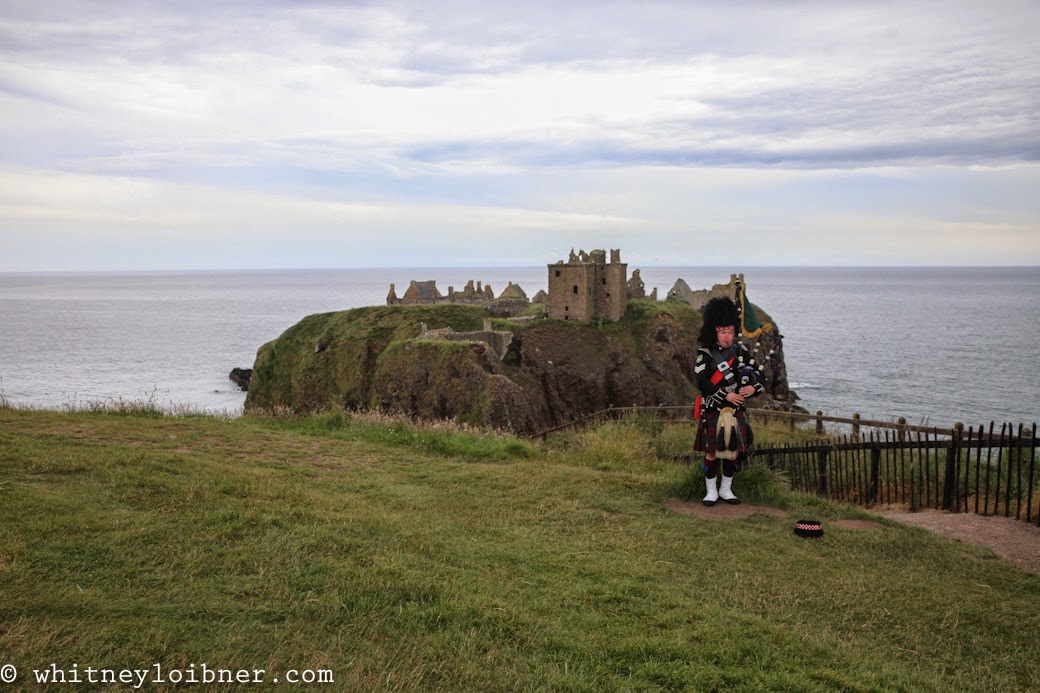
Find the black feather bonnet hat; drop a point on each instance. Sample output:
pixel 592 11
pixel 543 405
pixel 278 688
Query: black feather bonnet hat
pixel 718 312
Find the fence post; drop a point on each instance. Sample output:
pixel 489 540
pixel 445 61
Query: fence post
pixel 855 426
pixel 1032 467
pixel 819 423
pixel 1010 459
pixel 875 472
pixel 902 430
pixel 821 477
pixel 950 479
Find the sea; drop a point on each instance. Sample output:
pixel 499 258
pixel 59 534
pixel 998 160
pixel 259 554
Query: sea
pixel 932 345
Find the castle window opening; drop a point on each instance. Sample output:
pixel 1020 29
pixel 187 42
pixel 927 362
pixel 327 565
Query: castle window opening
pixel 575 288
pixel 557 273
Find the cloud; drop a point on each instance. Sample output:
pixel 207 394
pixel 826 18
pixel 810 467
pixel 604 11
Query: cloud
pixel 676 216
pixel 457 115
pixel 890 83
pixel 48 197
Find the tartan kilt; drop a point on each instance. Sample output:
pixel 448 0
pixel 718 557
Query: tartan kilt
pixel 707 431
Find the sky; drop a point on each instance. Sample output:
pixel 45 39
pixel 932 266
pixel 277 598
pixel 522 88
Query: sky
pixel 140 135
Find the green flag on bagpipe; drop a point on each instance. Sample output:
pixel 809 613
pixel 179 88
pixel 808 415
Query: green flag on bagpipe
pixel 750 326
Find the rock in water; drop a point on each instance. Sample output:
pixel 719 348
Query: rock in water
pixel 241 376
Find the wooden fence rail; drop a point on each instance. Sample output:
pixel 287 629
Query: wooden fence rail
pixel 675 414
pixel 987 471
pixel 680 414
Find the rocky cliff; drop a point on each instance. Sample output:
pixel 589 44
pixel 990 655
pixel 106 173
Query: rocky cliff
pixel 553 371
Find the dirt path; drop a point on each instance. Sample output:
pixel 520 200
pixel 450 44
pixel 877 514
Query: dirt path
pixel 1011 539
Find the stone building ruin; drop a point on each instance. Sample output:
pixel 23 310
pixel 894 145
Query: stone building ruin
pixel 417 292
pixel 426 293
pixel 587 287
pixel 682 291
pixel 513 292
pixel 497 340
pixel 637 289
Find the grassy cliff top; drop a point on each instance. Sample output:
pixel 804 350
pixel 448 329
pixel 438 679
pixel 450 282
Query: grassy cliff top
pixel 432 558
pixel 329 359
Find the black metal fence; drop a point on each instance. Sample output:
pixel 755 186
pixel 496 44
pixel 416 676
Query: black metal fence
pixel 986 470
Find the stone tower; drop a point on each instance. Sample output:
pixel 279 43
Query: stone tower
pixel 587 287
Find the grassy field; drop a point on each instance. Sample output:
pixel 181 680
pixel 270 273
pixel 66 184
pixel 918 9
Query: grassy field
pixel 404 558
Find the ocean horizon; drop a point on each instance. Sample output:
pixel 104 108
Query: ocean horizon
pixel 934 345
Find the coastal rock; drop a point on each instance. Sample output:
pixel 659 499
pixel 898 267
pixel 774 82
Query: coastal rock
pixel 241 376
pixel 570 370
pixel 553 371
pixel 449 380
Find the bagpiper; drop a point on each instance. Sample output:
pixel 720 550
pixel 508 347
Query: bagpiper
pixel 727 376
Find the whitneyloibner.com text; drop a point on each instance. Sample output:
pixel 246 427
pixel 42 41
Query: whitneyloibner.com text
pixel 192 674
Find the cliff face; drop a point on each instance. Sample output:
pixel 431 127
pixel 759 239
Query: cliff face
pixel 568 369
pixel 450 380
pixel 553 372
pixel 329 359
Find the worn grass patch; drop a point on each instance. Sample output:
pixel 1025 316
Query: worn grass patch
pixel 321 543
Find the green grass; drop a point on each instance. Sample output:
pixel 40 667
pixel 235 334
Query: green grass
pixel 442 438
pixel 405 557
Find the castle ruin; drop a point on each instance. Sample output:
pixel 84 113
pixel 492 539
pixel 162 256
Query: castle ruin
pixel 682 291
pixel 497 340
pixel 587 287
pixel 426 292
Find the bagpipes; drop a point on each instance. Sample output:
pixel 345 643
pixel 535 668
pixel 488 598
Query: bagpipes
pixel 727 426
pixel 727 437
pixel 768 344
pixel 723 311
pixel 747 374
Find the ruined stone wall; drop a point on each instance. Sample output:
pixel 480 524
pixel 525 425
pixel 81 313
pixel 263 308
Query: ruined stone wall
pixel 570 292
pixel 682 292
pixel 611 290
pixel 498 340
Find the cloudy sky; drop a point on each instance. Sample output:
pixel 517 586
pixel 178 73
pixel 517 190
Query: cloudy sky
pixel 262 134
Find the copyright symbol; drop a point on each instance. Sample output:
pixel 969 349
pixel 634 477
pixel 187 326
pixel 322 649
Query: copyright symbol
pixel 8 673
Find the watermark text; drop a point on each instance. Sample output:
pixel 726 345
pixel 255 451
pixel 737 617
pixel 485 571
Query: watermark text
pixel 53 674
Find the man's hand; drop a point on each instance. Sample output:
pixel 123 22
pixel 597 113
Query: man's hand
pixel 746 391
pixel 734 398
